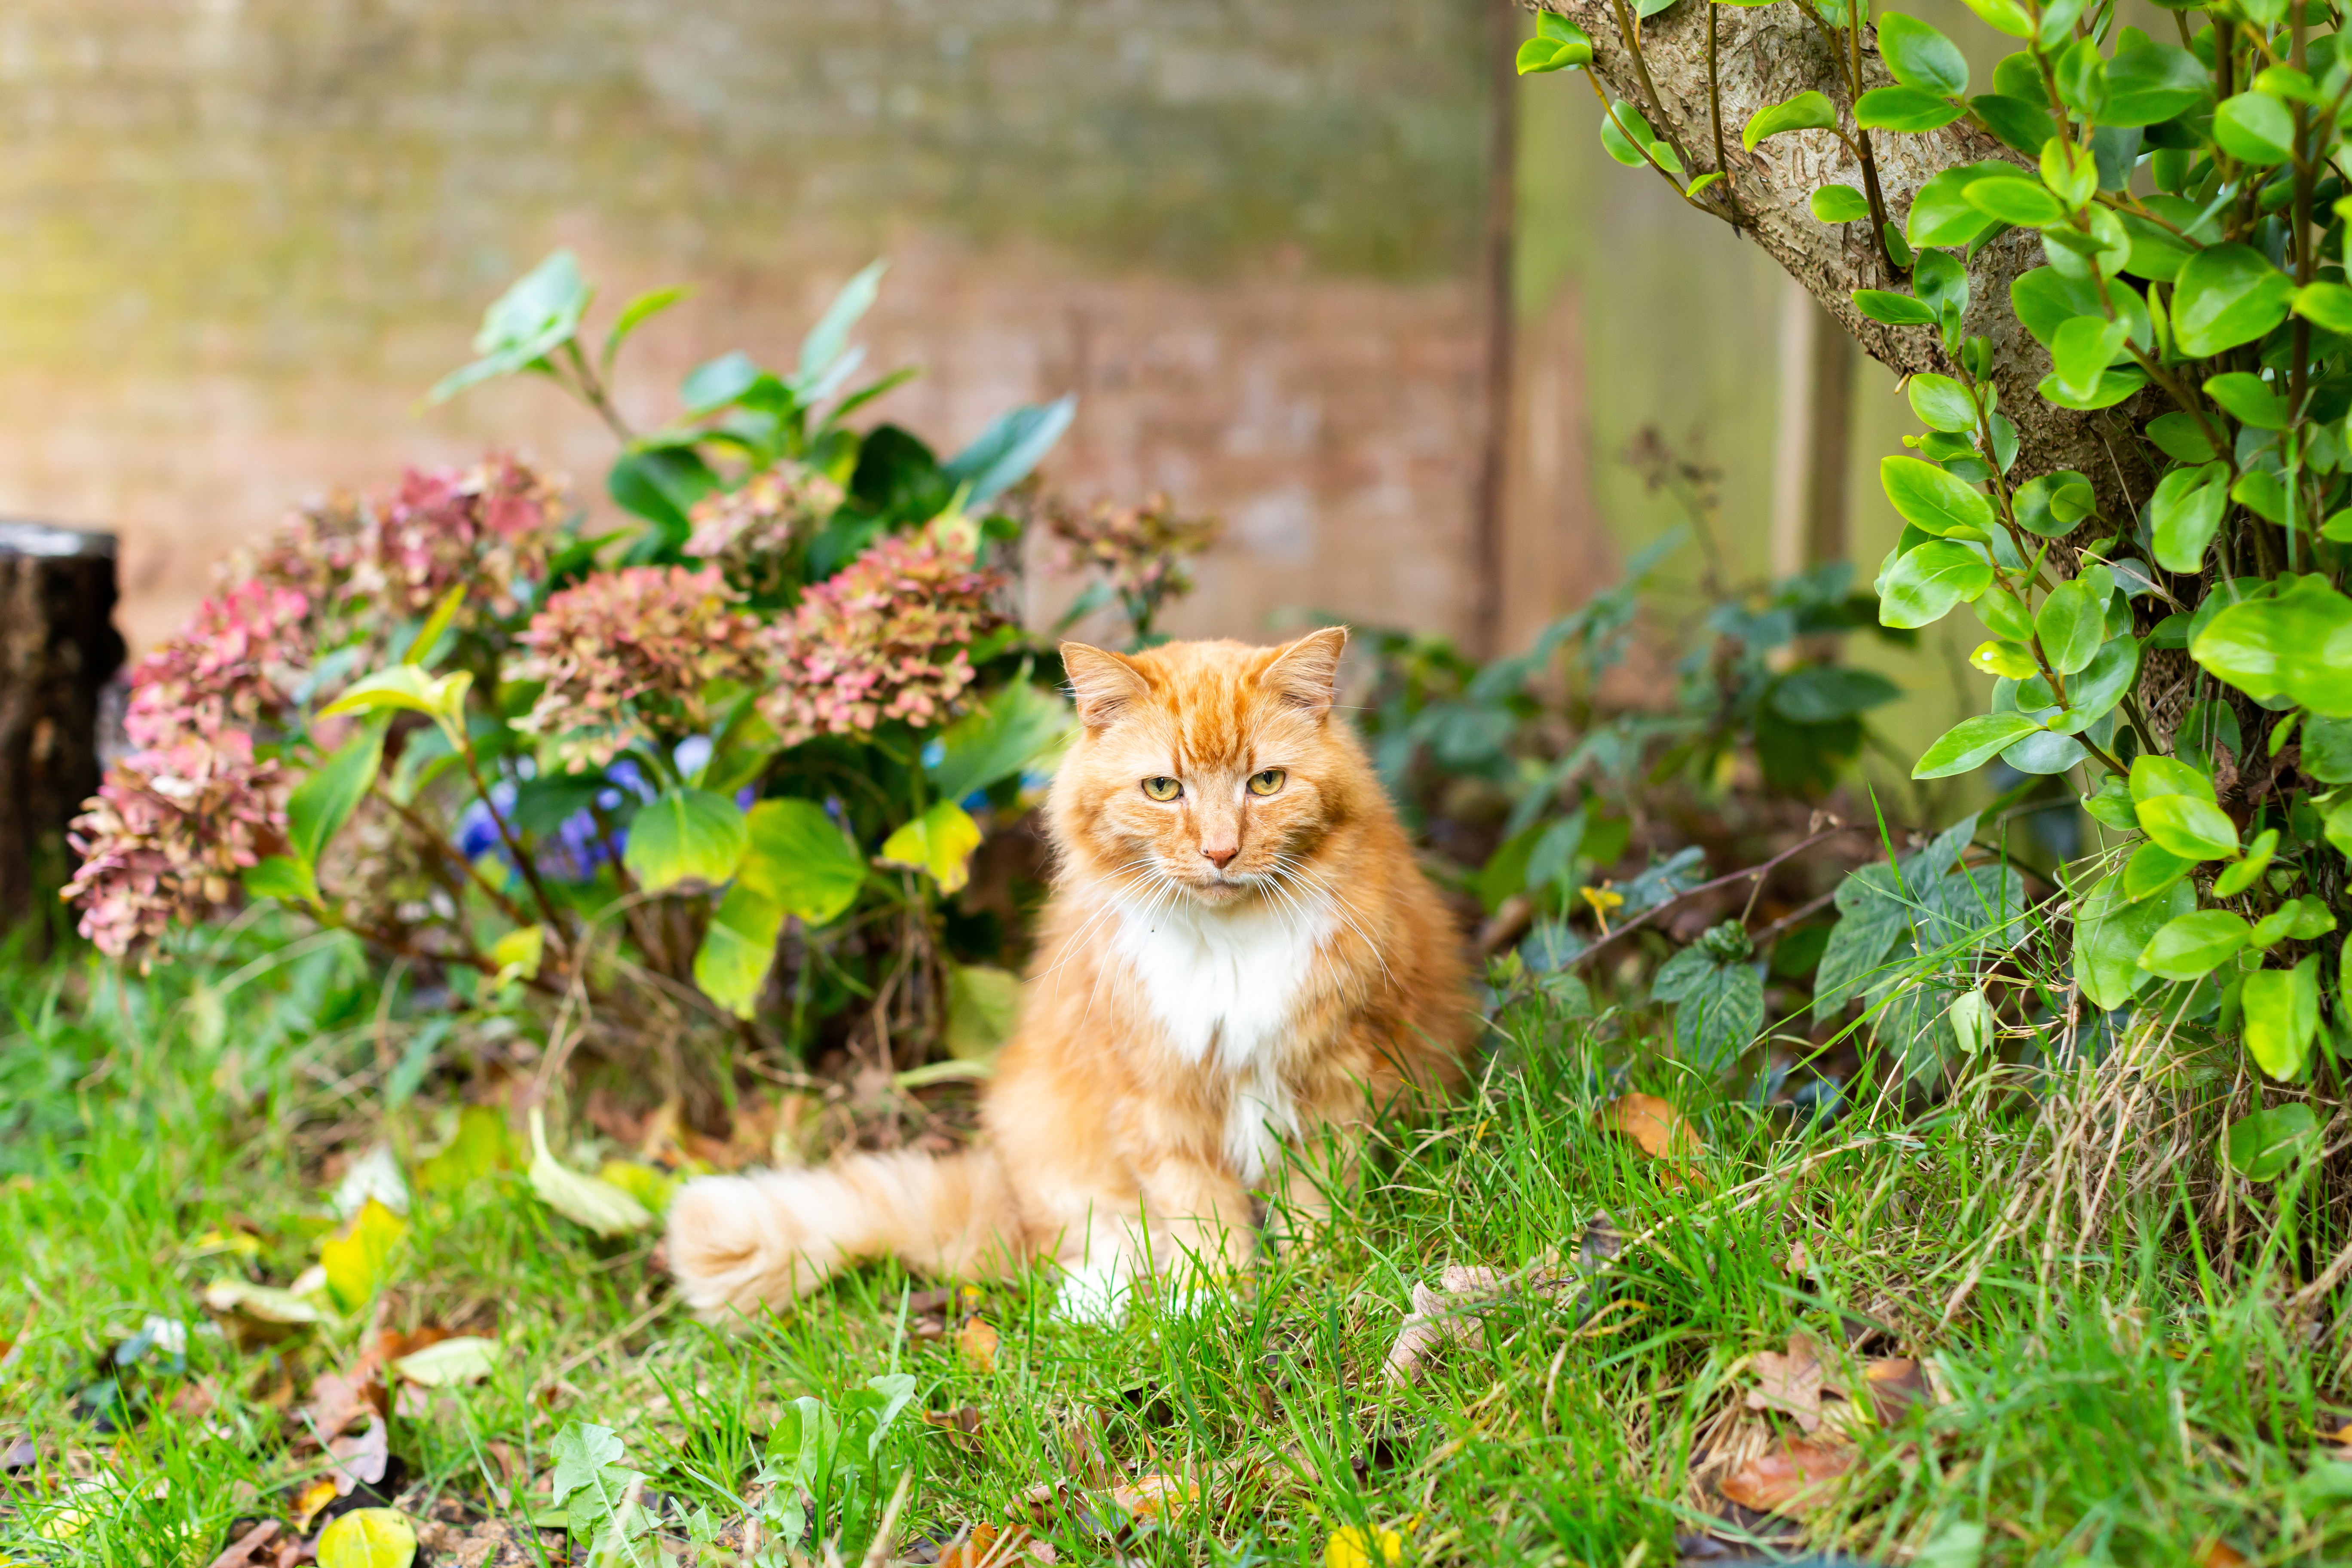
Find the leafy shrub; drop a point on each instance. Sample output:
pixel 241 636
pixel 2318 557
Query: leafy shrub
pixel 775 714
pixel 2182 644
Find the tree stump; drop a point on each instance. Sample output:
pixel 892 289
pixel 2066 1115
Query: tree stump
pixel 59 649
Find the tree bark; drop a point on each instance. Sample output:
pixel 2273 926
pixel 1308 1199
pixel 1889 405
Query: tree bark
pixel 1771 54
pixel 59 649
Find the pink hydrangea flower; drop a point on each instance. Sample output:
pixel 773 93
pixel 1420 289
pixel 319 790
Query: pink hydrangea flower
pixel 885 637
pixel 488 527
pixel 231 665
pixel 626 655
pixel 167 836
pixel 749 530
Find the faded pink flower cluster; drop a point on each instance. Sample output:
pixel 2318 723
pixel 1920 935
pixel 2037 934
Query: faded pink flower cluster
pixel 487 526
pixel 232 665
pixel 171 828
pixel 1141 549
pixel 758 521
pixel 178 819
pixel 626 657
pixel 885 637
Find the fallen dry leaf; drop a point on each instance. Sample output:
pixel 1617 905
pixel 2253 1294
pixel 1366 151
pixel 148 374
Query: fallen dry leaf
pixel 1148 1496
pixel 1793 1476
pixel 1657 1127
pixel 1896 1385
pixel 1790 1383
pixel 978 1341
pixel 2218 1554
pixel 239 1553
pixel 961 1425
pixel 361 1456
pixel 988 1546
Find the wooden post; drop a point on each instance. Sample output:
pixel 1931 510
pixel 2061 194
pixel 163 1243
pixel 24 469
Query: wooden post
pixel 1816 438
pixel 1504 25
pixel 59 649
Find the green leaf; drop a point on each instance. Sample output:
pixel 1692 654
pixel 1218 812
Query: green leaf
pixel 829 339
pixel 1920 57
pixel 716 382
pixel 2081 352
pixel 1627 137
pixel 591 1485
pixel 2260 492
pixel 2152 867
pixel 2153 776
pixel 1893 309
pixel 1806 111
pixel 1022 725
pixel 2254 128
pixel 367 1538
pixel 1905 109
pixel 1718 1005
pixel 322 803
pixel 530 321
pixel 1972 742
pixel 738 948
pixel 2091 693
pixel 1002 456
pixel 2195 944
pixel 940 842
pixel 588 1201
pixel 517 953
pixel 1926 581
pixel 1558 44
pixel 1823 693
pixel 2296 644
pixel 661 486
pixel 2184 512
pixel 2054 504
pixel 2002 657
pixel 1934 501
pixel 2111 803
pixel 800 859
pixel 2072 623
pixel 684 836
pixel 408 688
pixel 2263 1145
pixel 1941 404
pixel 281 877
pixel 2328 750
pixel 2179 437
pixel 635 314
pixel 2005 16
pixel 984 1002
pixel 2248 399
pixel 2227 295
pixel 2281 1009
pixel 1940 211
pixel 2188 827
pixel 1840 203
pixel 2110 933
pixel 2114 386
pixel 2024 203
pixel 2021 124
pixel 2149 82
pixel 2236 879
pixel 2329 305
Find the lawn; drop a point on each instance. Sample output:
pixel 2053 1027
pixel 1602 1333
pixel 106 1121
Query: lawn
pixel 1688 1306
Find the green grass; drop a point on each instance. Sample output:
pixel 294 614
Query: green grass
pixel 2133 1410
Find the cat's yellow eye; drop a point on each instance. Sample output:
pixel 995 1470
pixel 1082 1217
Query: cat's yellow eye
pixel 1162 788
pixel 1267 782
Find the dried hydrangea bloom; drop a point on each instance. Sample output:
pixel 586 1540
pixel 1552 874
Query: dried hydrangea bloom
pixel 233 664
pixel 755 523
pixel 888 637
pixel 626 657
pixel 1142 550
pixel 488 527
pixel 168 833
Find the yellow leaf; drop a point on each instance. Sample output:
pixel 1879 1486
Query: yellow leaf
pixel 517 953
pixel 359 1261
pixel 368 1537
pixel 461 1358
pixel 940 842
pixel 313 1497
pixel 642 1183
pixel 978 1340
pixel 585 1200
pixel 479 1147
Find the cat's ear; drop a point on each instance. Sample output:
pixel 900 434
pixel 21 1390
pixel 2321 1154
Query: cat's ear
pixel 1306 672
pixel 1103 683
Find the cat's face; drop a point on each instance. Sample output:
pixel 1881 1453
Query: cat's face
pixel 1205 771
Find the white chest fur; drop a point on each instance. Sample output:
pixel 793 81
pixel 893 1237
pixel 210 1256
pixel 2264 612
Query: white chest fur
pixel 1225 987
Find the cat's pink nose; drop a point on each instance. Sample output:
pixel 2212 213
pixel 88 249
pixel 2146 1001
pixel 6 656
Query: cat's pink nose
pixel 1219 858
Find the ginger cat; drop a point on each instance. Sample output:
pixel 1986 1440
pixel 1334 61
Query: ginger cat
pixel 1240 959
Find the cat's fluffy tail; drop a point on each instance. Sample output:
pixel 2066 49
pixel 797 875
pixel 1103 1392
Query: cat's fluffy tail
pixel 738 1242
